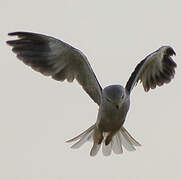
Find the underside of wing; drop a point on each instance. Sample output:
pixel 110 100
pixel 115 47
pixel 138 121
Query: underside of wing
pixel 55 58
pixel 156 69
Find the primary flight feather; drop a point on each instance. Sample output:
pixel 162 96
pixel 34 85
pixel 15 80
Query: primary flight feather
pixel 55 58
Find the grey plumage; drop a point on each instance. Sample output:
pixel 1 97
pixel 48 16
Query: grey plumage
pixel 57 59
pixel 53 57
pixel 155 70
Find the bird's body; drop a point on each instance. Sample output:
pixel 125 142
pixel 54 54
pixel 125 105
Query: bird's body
pixel 111 116
pixel 54 58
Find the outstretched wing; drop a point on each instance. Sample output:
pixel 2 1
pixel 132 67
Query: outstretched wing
pixel 55 58
pixel 155 70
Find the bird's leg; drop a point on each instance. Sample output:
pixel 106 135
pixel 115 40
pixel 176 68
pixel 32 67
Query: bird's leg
pixel 98 136
pixel 109 138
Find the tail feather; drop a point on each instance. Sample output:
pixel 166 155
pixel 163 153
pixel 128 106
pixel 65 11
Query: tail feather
pixel 95 149
pixel 129 137
pixel 127 144
pixel 117 144
pixel 90 138
pixel 106 149
pixel 82 134
pixel 83 139
pixel 121 138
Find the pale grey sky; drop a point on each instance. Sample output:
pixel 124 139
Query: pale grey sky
pixel 38 116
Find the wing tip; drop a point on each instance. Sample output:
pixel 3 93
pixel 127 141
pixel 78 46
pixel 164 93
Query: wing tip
pixel 16 33
pixel 8 43
pixel 22 33
pixel 11 34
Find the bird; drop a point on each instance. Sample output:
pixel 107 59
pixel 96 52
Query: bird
pixel 61 61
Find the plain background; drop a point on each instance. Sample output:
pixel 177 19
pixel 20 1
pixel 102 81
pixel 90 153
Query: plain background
pixel 38 114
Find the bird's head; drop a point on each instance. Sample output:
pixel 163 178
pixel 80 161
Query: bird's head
pixel 114 95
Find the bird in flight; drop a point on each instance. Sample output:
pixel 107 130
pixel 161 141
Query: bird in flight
pixel 55 58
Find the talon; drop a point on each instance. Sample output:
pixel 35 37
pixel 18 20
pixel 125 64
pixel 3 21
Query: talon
pixel 109 138
pixel 98 137
pixel 100 140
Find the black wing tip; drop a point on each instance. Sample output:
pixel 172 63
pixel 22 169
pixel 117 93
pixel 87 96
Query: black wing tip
pixel 174 63
pixel 8 43
pixel 17 33
pixel 22 33
pixel 170 51
pixel 12 33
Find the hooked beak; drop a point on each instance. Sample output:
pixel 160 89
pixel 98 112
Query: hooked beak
pixel 118 105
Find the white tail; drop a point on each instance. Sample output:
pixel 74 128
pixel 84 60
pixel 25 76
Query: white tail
pixel 121 138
